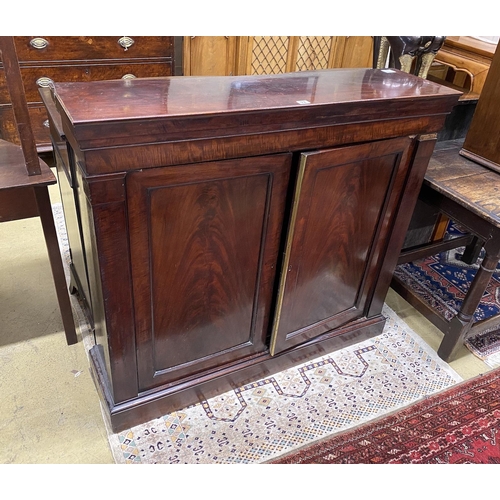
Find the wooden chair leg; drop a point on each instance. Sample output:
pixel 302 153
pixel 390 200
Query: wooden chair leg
pixel 49 231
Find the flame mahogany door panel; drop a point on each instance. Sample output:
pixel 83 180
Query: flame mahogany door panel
pixel 344 203
pixel 204 246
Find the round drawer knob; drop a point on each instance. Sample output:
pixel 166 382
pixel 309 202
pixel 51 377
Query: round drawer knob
pixel 128 76
pixel 39 43
pixel 46 123
pixel 45 82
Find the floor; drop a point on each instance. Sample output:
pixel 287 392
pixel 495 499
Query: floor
pixel 50 412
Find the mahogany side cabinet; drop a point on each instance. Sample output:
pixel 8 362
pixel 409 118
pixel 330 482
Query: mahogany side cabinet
pixel 225 228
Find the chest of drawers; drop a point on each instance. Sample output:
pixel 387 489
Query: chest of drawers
pixel 49 59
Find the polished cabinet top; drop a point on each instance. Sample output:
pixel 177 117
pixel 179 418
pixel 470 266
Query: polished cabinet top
pixel 118 124
pixel 113 100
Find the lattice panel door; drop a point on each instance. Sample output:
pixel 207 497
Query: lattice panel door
pixel 269 55
pixel 314 52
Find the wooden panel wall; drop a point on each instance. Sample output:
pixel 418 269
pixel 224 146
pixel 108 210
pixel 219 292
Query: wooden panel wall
pixel 261 55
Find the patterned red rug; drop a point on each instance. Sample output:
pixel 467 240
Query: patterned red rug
pixel 459 425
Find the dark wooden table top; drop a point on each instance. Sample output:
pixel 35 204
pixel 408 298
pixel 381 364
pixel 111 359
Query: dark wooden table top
pixel 14 173
pixel 469 184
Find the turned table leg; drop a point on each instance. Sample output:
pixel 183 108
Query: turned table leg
pixel 462 322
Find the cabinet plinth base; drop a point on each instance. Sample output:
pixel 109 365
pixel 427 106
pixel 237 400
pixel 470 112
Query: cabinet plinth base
pixel 152 405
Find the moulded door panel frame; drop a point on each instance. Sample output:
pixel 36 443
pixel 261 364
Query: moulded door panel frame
pixel 139 187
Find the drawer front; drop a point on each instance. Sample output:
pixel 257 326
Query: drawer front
pixel 72 48
pixel 39 124
pixel 35 78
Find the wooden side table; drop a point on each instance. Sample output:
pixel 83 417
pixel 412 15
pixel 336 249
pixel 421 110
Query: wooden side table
pixel 469 194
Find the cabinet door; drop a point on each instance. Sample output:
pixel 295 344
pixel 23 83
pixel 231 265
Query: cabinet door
pixel 343 209
pixel 354 52
pixel 270 55
pixel 209 55
pixel 204 245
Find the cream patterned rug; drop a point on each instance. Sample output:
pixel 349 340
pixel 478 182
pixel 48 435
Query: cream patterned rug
pixel 272 416
pixel 260 421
